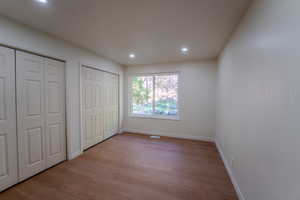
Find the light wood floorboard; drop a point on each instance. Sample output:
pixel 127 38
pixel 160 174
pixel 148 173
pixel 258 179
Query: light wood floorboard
pixel 134 167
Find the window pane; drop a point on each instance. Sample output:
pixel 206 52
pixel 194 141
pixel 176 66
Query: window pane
pixel 166 98
pixel 142 95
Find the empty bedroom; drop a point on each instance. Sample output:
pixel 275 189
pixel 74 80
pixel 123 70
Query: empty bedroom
pixel 153 100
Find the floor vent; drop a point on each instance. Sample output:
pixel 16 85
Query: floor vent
pixel 154 137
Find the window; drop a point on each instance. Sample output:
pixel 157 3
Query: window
pixel 154 95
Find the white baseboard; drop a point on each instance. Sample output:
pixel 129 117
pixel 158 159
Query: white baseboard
pixel 74 155
pixel 230 172
pixel 191 137
pixel 120 131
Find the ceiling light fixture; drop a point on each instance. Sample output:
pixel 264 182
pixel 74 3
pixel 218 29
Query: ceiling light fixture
pixel 132 55
pixel 184 49
pixel 42 1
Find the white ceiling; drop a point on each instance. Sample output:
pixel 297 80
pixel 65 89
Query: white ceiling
pixel 154 30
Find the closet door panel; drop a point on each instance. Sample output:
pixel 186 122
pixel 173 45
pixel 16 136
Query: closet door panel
pixel 31 114
pixel 106 93
pixel 8 137
pixel 55 112
pixel 92 106
pixel 99 105
pixel 111 111
pixel 89 103
pixel 115 104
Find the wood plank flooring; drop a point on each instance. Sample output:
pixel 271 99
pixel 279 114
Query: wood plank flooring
pixel 133 167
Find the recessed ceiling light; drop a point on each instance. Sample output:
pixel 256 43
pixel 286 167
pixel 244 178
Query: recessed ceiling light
pixel 184 49
pixel 132 55
pixel 42 1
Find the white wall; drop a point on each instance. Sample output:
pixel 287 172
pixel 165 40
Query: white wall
pixel 258 110
pixel 197 93
pixel 20 36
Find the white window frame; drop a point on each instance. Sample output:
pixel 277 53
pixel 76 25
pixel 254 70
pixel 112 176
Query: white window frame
pixel 153 116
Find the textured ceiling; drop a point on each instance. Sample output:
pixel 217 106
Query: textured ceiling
pixel 154 30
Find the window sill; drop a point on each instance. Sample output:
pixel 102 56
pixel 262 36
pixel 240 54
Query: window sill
pixel 175 118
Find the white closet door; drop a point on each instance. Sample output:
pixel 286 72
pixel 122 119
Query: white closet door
pixel 89 104
pixel 107 101
pixel 31 114
pixel 55 112
pixel 99 105
pixel 111 105
pixel 115 104
pixel 8 138
pixel 41 113
pixel 92 106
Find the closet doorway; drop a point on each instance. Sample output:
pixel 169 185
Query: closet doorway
pixel 32 115
pixel 99 105
pixel 40 113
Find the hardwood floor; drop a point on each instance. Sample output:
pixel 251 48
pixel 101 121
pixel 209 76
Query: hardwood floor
pixel 133 167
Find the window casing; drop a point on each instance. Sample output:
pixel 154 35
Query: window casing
pixel 154 96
